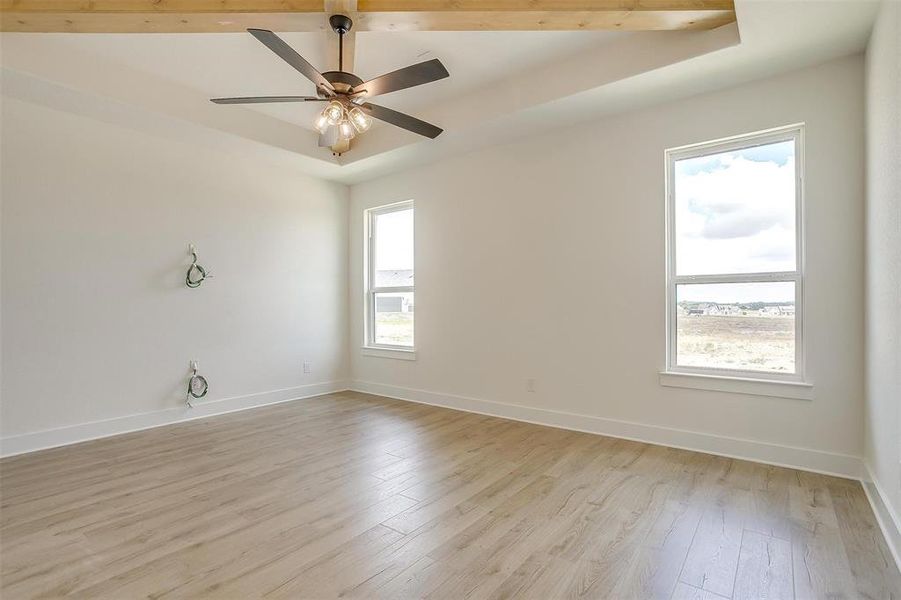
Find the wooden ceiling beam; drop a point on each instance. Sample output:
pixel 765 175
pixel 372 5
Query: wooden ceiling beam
pixel 288 6
pixel 211 16
pixel 541 5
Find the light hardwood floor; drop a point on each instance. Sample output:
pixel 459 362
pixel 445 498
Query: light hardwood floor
pixel 354 495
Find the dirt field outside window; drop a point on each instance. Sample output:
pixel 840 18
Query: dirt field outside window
pixel 747 343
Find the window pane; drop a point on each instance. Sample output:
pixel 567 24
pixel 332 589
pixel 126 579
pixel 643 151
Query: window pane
pixel 393 260
pixel 735 211
pixel 738 326
pixel 394 319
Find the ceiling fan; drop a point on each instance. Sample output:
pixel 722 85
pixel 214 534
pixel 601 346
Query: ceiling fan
pixel 348 112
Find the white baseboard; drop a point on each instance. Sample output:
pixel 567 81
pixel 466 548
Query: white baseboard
pixel 807 459
pixel 775 454
pixel 889 521
pixel 63 436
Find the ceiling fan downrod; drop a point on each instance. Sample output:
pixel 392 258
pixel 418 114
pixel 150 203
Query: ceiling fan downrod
pixel 341 24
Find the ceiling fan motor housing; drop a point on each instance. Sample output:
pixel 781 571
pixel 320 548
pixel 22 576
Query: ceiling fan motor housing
pixel 342 81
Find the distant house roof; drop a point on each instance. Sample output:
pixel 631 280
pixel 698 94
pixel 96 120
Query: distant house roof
pixel 400 278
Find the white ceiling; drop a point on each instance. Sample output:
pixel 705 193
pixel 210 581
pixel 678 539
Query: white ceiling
pixel 236 64
pixel 502 84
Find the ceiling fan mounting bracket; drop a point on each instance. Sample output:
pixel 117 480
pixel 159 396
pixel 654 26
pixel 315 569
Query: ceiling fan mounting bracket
pixel 341 24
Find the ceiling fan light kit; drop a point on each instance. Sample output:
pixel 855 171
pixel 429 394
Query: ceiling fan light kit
pixel 361 120
pixel 347 113
pixel 334 112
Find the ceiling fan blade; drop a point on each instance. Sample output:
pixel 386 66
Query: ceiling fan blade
pixel 266 99
pixel 401 120
pixel 418 74
pixel 290 56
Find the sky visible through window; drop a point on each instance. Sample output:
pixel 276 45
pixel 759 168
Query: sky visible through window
pixel 394 241
pixel 735 213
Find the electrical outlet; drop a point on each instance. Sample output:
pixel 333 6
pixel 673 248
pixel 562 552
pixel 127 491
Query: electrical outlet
pixel 307 367
pixel 530 385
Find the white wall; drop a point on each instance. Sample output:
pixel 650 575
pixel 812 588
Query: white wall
pixel 542 259
pixel 545 259
pixel 97 321
pixel 883 259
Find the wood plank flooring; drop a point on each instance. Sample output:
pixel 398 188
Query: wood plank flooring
pixel 356 496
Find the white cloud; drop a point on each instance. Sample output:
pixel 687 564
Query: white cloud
pixel 735 215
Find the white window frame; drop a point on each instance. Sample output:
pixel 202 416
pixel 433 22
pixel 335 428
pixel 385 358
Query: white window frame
pixel 788 133
pixel 369 343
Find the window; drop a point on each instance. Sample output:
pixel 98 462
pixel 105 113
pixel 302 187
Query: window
pixel 734 257
pixel 389 277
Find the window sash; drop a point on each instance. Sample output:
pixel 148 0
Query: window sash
pixel 739 277
pixel 369 272
pixel 370 302
pixel 672 333
pixel 789 133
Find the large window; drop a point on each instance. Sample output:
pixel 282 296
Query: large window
pixel 734 257
pixel 389 277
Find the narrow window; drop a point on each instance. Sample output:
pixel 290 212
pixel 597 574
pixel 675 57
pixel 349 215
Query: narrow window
pixel 389 273
pixel 734 257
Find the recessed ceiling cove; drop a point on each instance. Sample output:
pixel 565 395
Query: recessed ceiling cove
pixel 517 68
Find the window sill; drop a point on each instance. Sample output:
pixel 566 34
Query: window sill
pixel 738 385
pixel 388 353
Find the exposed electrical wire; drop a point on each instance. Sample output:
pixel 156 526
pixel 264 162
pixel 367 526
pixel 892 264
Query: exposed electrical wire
pixel 196 273
pixel 197 385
